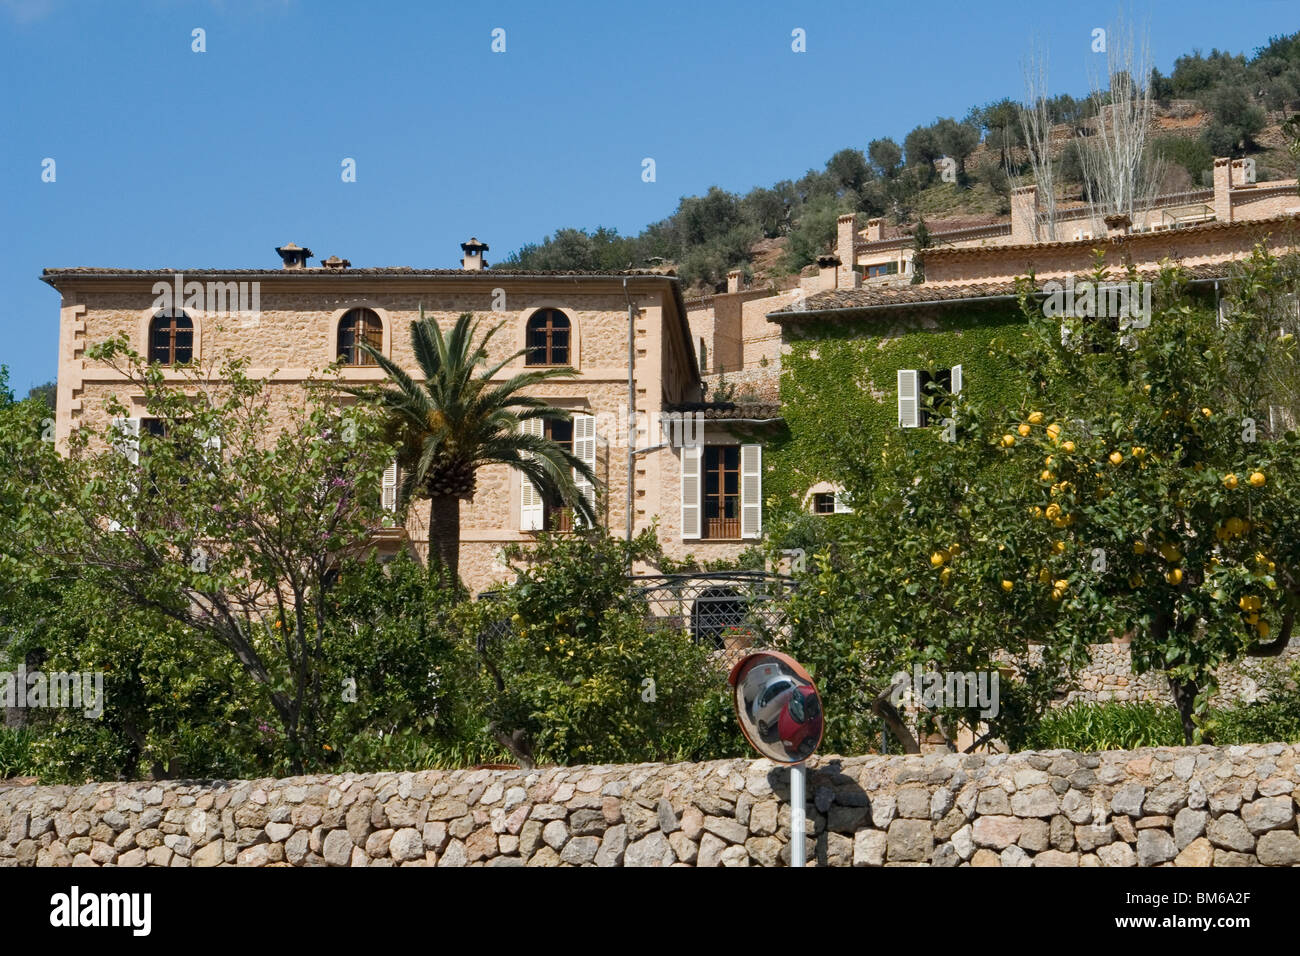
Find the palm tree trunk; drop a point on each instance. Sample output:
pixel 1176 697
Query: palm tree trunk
pixel 444 537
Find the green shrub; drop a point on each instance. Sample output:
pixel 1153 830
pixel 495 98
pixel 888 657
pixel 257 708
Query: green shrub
pixel 16 752
pixel 1273 717
pixel 1113 725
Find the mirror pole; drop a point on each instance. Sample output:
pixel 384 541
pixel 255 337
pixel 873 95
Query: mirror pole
pixel 797 817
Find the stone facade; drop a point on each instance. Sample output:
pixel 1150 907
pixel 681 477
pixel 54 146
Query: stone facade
pixel 292 334
pixel 1185 807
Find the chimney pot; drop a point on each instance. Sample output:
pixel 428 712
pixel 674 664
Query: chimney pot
pixel 1117 226
pixel 293 256
pixel 473 260
pixel 735 280
pixel 335 263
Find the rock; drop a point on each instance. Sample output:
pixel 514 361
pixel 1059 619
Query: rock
pixel 1015 856
pixel 668 818
pixel 337 848
pixel 1188 825
pixel 556 834
pixel 136 857
pixel 588 823
pixel 1056 858
pixel 869 848
pixel 985 857
pixel 1076 807
pixel 1117 854
pixel 687 851
pixel 295 848
pixel 1124 829
pixel 1279 848
pixel 1229 832
pixel 993 802
pixel 1034 836
pixel 1199 852
pixel 1092 837
pixel 962 841
pixel 211 855
pixel 278 832
pixel 883 810
pixel 614 843
pixel 843 819
pixel 735 856
pixel 1229 858
pixel 1155 846
pixel 358 824
pixel 377 843
pixel 652 850
pixel 1167 798
pixel 1160 822
pixel 692 821
pixel 531 836
pixel 726 828
pixel 909 840
pixel 997 832
pixel 762 818
pixel 914 803
pixel 710 851
pixel 580 850
pixel 455 855
pixel 945 855
pixel 1128 800
pixel 1038 802
pixel 765 851
pixel 1061 834
pixel 253 856
pixel 1269 813
pixel 940 804
pixel 481 844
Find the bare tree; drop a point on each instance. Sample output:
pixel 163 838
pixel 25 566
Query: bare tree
pixel 1121 177
pixel 1036 123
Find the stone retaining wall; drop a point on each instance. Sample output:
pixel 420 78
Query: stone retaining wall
pixel 1196 806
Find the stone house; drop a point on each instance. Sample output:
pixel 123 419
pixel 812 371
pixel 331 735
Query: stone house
pixel 693 468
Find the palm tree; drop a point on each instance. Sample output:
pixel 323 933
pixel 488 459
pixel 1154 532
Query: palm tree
pixel 457 420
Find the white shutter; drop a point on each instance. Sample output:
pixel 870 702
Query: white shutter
pixel 388 488
pixel 530 502
pixel 841 506
pixel 212 451
pixel 584 449
pixel 909 405
pixel 751 491
pixel 692 490
pixel 956 379
pixel 126 441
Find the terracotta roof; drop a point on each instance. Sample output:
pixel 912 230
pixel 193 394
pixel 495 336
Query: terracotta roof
pixel 753 411
pixel 883 297
pixel 407 271
pixel 1241 225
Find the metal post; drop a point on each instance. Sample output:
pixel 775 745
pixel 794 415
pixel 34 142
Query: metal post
pixel 797 816
pixel 631 412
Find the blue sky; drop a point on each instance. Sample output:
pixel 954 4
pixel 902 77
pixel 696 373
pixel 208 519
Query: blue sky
pixel 167 158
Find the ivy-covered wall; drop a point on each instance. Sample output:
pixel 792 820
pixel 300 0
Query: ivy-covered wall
pixel 839 385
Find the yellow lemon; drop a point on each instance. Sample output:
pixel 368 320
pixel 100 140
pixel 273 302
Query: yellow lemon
pixel 945 575
pixel 1139 547
pixel 1044 576
pixel 1139 452
pixel 1047 476
pixel 938 559
pixel 1067 447
pixel 1058 547
pixel 1061 585
pixel 1008 441
pixel 1206 412
pixel 1035 418
pixel 1257 479
pixel 1230 481
pixel 1024 431
pixel 1057 594
pixel 1053 431
pixel 1115 458
pixel 1007 585
pixel 1175 576
pixel 1053 510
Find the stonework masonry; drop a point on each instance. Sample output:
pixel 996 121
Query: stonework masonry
pixel 1185 807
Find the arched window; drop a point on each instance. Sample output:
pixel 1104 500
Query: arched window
pixel 548 338
pixel 171 338
pixel 718 618
pixel 359 327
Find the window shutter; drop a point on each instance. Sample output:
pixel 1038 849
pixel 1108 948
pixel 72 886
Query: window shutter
pixel 212 451
pixel 530 502
pixel 692 458
pixel 126 441
pixel 841 506
pixel 751 491
pixel 584 449
pixel 909 406
pixel 388 487
pixel 956 379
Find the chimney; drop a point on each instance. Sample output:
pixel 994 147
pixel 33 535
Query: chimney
pixel 1223 189
pixel 473 250
pixel 1243 172
pixel 827 277
pixel 846 248
pixel 1024 215
pixel 735 280
pixel 875 230
pixel 336 264
pixel 293 256
pixel 1117 226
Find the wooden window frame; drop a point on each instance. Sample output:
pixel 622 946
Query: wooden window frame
pixel 363 326
pixel 552 331
pixel 174 330
pixel 715 472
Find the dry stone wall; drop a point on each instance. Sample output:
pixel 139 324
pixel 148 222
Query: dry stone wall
pixel 1198 806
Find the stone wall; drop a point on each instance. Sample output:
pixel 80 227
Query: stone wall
pixel 1196 806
